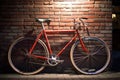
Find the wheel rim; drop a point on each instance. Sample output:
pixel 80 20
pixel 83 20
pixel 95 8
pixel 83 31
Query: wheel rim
pixel 21 62
pixel 91 63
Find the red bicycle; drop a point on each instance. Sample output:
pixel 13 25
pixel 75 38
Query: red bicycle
pixel 88 55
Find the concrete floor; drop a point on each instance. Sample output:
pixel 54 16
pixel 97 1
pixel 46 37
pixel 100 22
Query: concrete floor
pixel 56 76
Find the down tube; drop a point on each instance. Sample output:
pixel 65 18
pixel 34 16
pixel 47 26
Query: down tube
pixel 61 51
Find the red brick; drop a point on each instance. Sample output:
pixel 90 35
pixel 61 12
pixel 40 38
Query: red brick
pixel 22 14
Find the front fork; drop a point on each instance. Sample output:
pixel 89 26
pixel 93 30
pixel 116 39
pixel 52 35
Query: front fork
pixel 82 43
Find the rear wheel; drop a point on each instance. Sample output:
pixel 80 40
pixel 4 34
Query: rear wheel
pixel 19 59
pixel 93 62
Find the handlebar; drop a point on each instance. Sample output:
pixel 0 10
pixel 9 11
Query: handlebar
pixel 78 25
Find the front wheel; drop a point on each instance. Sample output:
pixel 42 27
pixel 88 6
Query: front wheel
pixel 93 62
pixel 19 59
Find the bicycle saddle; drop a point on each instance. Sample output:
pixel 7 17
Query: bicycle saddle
pixel 42 20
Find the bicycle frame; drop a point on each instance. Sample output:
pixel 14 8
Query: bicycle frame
pixel 22 52
pixel 45 32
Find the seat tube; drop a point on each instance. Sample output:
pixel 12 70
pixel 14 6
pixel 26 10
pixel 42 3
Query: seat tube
pixel 46 38
pixel 47 42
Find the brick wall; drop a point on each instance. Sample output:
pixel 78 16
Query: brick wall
pixel 17 18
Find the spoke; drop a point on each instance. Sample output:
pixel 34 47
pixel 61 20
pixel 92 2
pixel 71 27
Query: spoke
pixel 99 60
pixel 100 51
pixel 100 48
pixel 94 61
pixel 81 54
pixel 80 61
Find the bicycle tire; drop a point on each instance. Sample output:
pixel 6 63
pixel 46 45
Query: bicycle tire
pixel 23 64
pixel 94 62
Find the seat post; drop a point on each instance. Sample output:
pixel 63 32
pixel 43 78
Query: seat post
pixel 43 25
pixel 42 20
